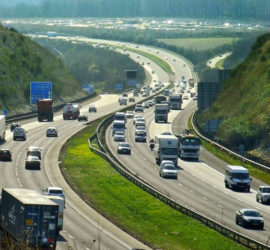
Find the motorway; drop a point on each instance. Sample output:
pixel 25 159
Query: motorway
pixel 83 227
pixel 200 185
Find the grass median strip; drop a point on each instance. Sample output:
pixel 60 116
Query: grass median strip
pixel 129 207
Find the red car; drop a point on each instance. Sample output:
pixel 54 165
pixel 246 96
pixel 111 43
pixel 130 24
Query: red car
pixel 5 155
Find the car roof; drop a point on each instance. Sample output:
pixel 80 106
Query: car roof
pixel 4 149
pixel 33 148
pixel 124 144
pixel 32 157
pixel 54 188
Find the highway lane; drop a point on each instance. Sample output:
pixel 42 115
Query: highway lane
pixel 81 231
pixel 200 186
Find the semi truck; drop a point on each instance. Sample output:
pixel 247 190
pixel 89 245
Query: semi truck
pixel 2 127
pixel 71 111
pixel 175 101
pixel 161 112
pixel 166 148
pixel 189 147
pixel 45 110
pixel 29 218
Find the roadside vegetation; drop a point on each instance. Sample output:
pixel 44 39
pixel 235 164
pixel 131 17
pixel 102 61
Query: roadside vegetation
pixel 23 61
pixel 126 205
pixel 243 104
pixel 102 67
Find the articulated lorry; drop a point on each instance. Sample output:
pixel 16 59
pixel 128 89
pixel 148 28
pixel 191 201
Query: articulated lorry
pixel 175 101
pixel 71 111
pixel 2 127
pixel 45 110
pixel 189 147
pixel 166 148
pixel 29 218
pixel 161 112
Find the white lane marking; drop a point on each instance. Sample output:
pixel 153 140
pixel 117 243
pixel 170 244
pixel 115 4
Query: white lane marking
pixel 220 206
pixel 205 198
pixel 190 190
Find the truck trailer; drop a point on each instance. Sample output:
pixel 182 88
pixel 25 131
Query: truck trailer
pixel 29 218
pixel 2 127
pixel 71 111
pixel 45 110
pixel 166 148
pixel 161 112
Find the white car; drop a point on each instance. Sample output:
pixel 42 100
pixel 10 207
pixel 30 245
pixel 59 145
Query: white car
pixel 136 117
pixel 263 194
pixel 57 191
pixel 145 105
pixel 129 114
pixel 168 170
pixel 185 97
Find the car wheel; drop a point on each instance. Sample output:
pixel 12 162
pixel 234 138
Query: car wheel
pixel 262 226
pixel 236 221
pixel 226 184
pixel 257 198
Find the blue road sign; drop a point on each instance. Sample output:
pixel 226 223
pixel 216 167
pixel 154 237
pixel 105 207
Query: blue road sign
pixel 132 82
pixel 85 87
pixel 118 86
pixel 40 90
pixel 5 112
pixel 91 89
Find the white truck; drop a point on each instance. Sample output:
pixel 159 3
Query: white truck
pixel 166 148
pixel 2 127
pixel 175 101
pixel 161 112
pixel 71 111
pixel 61 205
pixel 189 147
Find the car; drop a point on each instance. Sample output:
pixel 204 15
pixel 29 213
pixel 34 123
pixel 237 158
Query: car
pixel 168 170
pixel 92 109
pixel 140 135
pixel 140 124
pixel 5 155
pixel 195 98
pixel 14 125
pixel 131 99
pixel 51 132
pixel 55 191
pixel 138 108
pixel 32 162
pixel 164 162
pixel 141 120
pixel 185 97
pixel 263 194
pixel 249 218
pixel 19 133
pixel 153 71
pixel 34 151
pixel 124 148
pixel 129 114
pixel 82 118
pixel 125 95
pixel 144 94
pixel 136 117
pixel 141 128
pixel 119 136
pixel 145 105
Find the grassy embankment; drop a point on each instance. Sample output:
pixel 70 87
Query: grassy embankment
pixel 199 43
pixel 223 155
pixel 219 64
pixel 128 206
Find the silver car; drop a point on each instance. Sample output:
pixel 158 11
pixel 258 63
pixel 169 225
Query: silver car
pixel 263 194
pixel 123 148
pixel 249 218
pixel 168 170
pixel 119 136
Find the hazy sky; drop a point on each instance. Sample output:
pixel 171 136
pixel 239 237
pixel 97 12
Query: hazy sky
pixel 14 2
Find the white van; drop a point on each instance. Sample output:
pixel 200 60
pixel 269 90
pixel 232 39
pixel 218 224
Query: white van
pixel 118 126
pixel 237 177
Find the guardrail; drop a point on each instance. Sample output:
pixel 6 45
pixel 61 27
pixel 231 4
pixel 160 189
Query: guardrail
pixel 242 158
pixel 118 166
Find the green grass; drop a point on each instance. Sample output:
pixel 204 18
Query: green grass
pixel 199 43
pixel 128 206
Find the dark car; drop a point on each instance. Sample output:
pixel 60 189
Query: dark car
pixel 14 125
pixel 92 109
pixel 5 155
pixel 124 148
pixel 51 132
pixel 131 99
pixel 32 162
pixel 125 95
pixel 82 118
pixel 249 218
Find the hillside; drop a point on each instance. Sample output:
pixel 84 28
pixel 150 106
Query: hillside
pixel 23 61
pixel 243 104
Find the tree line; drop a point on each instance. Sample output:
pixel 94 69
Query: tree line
pixel 243 9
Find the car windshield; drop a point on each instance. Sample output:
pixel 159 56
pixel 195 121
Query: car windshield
pixel 119 126
pixel 119 132
pixel 124 144
pixel 252 213
pixel 141 133
pixel 161 111
pixel 190 141
pixel 55 191
pixel 170 167
pixel 169 151
pixel 240 175
pixel 266 190
pixel 32 158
